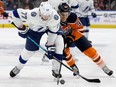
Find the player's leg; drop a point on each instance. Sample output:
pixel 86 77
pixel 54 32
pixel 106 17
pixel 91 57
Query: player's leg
pixel 45 59
pixel 96 58
pixel 59 44
pixel 27 52
pixel 72 51
pixel 23 58
pixel 70 61
pixel 85 47
pixel 67 55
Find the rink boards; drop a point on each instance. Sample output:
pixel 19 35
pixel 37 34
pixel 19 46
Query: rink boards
pixel 105 19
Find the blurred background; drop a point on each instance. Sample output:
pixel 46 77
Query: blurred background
pixel 102 34
pixel 30 4
pixel 103 7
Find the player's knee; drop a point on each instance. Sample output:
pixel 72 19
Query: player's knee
pixel 82 44
pixel 25 54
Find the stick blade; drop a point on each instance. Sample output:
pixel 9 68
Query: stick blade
pixel 91 80
pixel 94 80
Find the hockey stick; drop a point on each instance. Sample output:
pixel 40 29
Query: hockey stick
pixel 58 78
pixel 88 80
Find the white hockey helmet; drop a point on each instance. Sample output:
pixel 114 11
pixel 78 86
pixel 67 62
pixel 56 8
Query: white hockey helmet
pixel 46 9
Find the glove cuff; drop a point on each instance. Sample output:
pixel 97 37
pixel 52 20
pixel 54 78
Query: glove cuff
pixel 23 30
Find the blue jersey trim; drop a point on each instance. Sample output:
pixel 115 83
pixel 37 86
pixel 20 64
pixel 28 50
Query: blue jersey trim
pixel 22 60
pixel 15 13
pixel 59 32
pixel 75 7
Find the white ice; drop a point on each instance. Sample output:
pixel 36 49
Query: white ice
pixel 36 74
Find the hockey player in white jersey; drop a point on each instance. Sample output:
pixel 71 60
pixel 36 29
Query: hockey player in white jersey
pixel 84 8
pixel 55 3
pixel 40 20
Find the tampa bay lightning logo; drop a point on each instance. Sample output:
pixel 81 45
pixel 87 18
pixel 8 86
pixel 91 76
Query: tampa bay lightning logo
pixel 33 14
pixel 56 17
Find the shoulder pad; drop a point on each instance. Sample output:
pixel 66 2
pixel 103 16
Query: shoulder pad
pixel 72 18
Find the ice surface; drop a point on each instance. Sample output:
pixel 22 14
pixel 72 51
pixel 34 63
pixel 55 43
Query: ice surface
pixel 36 74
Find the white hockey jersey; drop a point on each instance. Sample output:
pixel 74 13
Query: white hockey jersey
pixel 55 3
pixel 34 21
pixel 85 7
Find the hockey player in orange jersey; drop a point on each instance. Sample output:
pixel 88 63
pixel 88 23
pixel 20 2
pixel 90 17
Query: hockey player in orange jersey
pixel 2 10
pixel 70 26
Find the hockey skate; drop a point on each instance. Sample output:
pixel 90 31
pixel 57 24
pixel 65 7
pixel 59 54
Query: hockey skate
pixel 45 59
pixel 107 70
pixel 14 71
pixel 75 70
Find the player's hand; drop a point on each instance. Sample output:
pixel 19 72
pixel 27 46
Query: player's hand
pixel 5 14
pixel 68 42
pixel 93 15
pixel 51 51
pixel 23 30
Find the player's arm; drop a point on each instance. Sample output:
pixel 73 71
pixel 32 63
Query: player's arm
pixel 52 34
pixel 54 27
pixel 16 19
pixel 93 14
pixel 53 31
pixel 74 21
pixel 74 5
pixel 18 22
pixel 77 25
pixel 92 7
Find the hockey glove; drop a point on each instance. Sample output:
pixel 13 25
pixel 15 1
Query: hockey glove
pixel 23 31
pixel 68 41
pixel 51 51
pixel 93 15
pixel 5 14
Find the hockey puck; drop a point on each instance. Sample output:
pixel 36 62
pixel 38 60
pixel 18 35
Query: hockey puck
pixel 62 81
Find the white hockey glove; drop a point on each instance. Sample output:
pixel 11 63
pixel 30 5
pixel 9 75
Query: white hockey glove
pixel 23 30
pixel 51 51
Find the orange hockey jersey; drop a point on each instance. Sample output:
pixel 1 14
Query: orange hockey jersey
pixel 81 42
pixel 73 24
